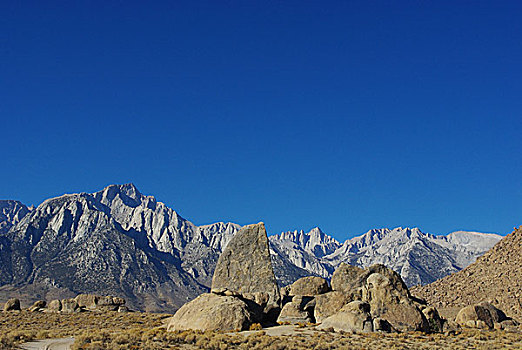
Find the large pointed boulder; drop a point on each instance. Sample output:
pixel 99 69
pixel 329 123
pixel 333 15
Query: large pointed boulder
pixel 245 266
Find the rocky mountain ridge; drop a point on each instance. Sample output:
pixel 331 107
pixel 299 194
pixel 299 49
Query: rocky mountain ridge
pixel 418 257
pixel 118 241
pixel 11 212
pixel 115 241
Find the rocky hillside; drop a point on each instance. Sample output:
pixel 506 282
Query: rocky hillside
pixel 496 277
pixel 419 258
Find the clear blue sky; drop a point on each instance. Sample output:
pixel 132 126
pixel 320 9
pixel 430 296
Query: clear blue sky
pixel 343 115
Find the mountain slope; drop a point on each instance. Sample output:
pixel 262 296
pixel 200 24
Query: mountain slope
pixel 496 276
pixel 11 212
pixel 116 241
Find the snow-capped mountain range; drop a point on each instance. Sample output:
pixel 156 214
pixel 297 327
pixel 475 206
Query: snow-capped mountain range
pixel 121 242
pixel 420 258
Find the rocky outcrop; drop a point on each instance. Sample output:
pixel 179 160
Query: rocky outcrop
pixel 99 303
pixel 300 300
pixel 435 322
pixel 245 266
pixel 69 306
pixel 483 315
pixel 81 303
pixel 353 317
pixel 54 306
pixel 346 278
pixel 213 312
pixel 38 306
pixel 12 304
pixel 88 301
pixel 309 286
pixel 379 294
pixel 389 299
pixel 299 310
pixel 362 300
pixel 329 303
pixel 244 288
pixel 385 292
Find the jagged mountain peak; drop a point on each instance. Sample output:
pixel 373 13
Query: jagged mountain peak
pixel 303 250
pixel 302 236
pixel 10 208
pixel 316 232
pixel 127 193
pixel 315 241
pixel 419 257
pixel 385 234
pixel 114 241
pixel 221 224
pixel 6 203
pixel 11 213
pixel 218 234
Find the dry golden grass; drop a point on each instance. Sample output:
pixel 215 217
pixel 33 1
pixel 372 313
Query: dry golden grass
pixel 18 327
pixel 145 331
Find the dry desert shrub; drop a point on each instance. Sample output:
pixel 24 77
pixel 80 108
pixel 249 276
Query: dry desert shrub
pixel 146 331
pixel 19 327
pixel 9 339
pixel 255 327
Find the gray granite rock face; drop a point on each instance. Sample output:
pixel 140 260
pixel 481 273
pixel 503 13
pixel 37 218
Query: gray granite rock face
pixel 245 265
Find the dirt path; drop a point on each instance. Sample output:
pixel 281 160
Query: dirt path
pixel 49 344
pixel 281 330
